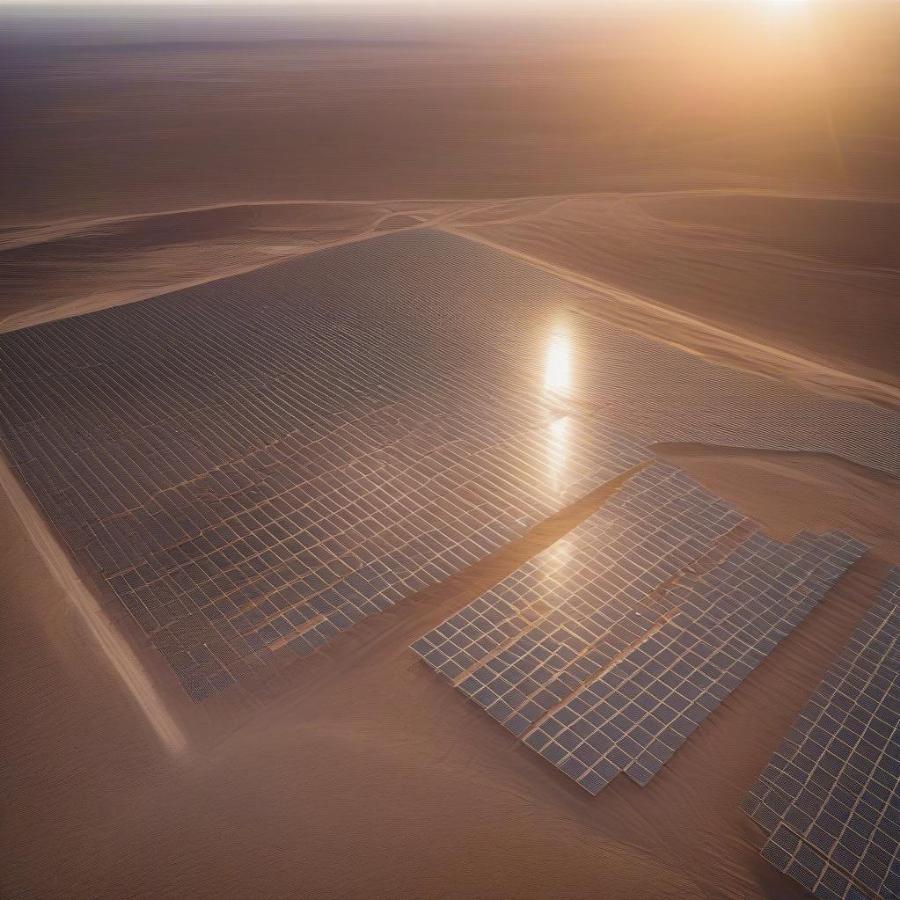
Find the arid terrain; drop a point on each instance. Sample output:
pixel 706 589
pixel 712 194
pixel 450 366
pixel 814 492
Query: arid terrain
pixel 724 182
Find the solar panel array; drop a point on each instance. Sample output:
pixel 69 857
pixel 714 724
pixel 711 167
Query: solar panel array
pixel 262 462
pixel 265 460
pixel 829 799
pixel 722 626
pixel 644 386
pixel 523 645
pixel 639 384
pixel 605 652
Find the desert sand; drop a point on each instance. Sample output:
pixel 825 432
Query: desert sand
pixel 735 167
pixel 357 773
pixel 733 295
pixel 734 196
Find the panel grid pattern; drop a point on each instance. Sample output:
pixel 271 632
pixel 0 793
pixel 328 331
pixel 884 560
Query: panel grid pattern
pixel 527 643
pixel 718 628
pixel 829 799
pixel 267 460
pixel 607 651
pixel 263 461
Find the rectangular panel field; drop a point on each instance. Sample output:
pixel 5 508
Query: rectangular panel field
pixel 606 651
pixel 266 460
pixel 524 645
pixel 829 799
pixel 716 630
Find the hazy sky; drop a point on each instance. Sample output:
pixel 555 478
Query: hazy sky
pixel 426 7
pixel 418 5
pixel 84 20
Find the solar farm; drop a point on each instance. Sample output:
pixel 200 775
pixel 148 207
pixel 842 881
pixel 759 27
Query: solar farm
pixel 306 475
pixel 829 800
pixel 606 652
pixel 265 461
pixel 253 466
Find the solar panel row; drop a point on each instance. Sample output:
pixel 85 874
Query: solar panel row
pixel 527 643
pixel 829 799
pixel 254 464
pixel 719 628
pixel 608 650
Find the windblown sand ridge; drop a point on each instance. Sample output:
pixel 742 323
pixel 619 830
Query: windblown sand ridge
pixel 823 317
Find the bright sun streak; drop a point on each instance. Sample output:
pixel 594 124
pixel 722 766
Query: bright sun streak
pixel 558 365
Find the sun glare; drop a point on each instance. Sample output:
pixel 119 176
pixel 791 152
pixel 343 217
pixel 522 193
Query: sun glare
pixel 558 364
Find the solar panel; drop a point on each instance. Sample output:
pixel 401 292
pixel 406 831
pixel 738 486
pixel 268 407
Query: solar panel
pixel 522 647
pixel 606 652
pixel 829 799
pixel 264 461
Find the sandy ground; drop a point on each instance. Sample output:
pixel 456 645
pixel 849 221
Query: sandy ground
pixel 693 96
pixel 789 492
pixel 740 295
pixel 722 189
pixel 363 775
pixel 807 289
pixel 69 268
pixel 737 169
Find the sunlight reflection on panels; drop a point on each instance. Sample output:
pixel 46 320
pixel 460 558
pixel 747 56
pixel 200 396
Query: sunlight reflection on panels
pixel 263 462
pixel 558 365
pixel 607 650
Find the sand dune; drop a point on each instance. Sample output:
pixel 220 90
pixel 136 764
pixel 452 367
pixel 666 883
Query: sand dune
pixel 823 317
pixel 812 288
pixel 69 268
pixel 790 492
